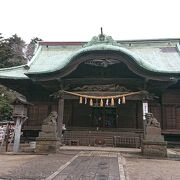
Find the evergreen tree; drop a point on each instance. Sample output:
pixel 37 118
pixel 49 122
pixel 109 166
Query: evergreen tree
pixel 14 51
pixel 17 46
pixel 6 97
pixel 5 52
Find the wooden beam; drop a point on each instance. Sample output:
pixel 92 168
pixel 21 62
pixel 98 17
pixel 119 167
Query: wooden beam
pixel 87 81
pixel 157 86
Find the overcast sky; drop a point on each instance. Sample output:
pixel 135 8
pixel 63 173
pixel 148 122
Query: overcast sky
pixel 79 20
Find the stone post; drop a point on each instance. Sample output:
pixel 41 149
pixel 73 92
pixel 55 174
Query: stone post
pixel 19 120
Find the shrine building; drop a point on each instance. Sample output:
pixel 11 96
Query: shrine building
pixel 101 88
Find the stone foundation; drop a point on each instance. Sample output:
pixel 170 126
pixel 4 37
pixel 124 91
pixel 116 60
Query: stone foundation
pixel 47 145
pixel 150 148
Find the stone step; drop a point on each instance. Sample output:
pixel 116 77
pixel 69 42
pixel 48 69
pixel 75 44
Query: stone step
pixel 173 154
pixel 24 145
pixel 27 149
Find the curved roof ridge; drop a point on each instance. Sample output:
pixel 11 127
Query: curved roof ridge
pixel 105 47
pixel 79 43
pixel 13 67
pixel 36 53
pixel 137 59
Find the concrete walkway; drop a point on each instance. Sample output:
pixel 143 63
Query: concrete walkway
pixel 92 165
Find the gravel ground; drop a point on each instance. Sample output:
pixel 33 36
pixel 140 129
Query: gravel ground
pixel 32 166
pixel 11 162
pixel 153 169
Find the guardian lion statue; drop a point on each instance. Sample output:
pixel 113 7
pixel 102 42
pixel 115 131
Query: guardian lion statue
pixel 51 119
pixel 151 120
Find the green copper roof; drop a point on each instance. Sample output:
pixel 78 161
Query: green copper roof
pixel 50 59
pixel 156 56
pixel 57 59
pixel 164 59
pixel 17 72
pixel 161 59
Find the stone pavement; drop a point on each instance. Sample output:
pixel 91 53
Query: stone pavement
pixel 97 148
pixel 92 165
pixel 51 166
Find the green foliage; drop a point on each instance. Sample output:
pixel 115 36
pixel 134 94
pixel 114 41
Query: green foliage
pixel 7 94
pixel 17 46
pixel 6 97
pixel 5 109
pixel 5 53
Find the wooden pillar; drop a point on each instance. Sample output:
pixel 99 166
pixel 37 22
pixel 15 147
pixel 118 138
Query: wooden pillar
pixel 60 115
pixel 7 137
pixel 137 124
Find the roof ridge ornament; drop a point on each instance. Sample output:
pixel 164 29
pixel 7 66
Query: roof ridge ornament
pixel 102 39
pixel 101 36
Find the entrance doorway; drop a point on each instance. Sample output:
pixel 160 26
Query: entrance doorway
pixel 104 117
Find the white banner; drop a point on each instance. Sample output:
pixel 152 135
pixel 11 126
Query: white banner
pixel 145 110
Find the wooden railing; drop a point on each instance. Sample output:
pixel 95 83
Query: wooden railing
pixel 102 138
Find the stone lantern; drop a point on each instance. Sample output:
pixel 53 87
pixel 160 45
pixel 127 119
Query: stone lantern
pixel 19 116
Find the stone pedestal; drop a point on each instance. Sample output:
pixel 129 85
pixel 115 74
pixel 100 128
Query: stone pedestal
pixel 48 140
pixel 151 148
pixel 153 143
